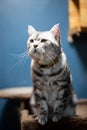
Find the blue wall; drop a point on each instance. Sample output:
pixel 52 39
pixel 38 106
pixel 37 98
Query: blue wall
pixel 15 15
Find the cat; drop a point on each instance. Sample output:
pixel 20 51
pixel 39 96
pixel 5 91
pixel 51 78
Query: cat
pixel 53 95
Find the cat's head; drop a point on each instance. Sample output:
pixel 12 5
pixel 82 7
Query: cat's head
pixel 44 47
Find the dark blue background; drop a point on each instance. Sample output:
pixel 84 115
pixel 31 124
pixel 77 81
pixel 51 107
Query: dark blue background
pixel 15 15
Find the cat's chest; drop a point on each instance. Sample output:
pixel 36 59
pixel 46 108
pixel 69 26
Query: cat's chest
pixel 50 87
pixel 50 90
pixel 50 94
pixel 47 83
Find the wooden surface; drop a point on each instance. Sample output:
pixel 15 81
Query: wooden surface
pixel 83 13
pixel 74 19
pixel 16 93
pixel 77 17
pixel 29 122
pixel 78 122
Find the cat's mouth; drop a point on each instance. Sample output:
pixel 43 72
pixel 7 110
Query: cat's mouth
pixel 35 54
pixel 36 51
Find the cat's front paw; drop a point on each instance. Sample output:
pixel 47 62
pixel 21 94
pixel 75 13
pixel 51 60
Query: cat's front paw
pixel 56 118
pixel 42 119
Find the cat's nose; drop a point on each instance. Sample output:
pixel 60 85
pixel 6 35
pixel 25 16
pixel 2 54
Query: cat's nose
pixel 35 46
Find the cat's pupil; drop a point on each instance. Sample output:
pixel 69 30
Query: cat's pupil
pixel 31 40
pixel 43 40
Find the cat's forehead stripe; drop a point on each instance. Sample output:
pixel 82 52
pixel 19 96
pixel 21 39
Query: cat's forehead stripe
pixel 39 35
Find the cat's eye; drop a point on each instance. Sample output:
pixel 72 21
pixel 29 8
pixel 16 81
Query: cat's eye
pixel 43 40
pixel 31 40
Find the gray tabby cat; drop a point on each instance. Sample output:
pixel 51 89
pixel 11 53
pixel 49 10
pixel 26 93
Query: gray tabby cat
pixel 53 96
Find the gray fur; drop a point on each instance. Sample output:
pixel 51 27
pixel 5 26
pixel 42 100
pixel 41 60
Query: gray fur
pixel 53 96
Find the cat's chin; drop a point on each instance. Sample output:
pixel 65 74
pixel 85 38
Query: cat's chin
pixel 35 58
pixel 39 60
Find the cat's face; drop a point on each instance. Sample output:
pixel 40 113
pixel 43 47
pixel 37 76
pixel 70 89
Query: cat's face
pixel 44 47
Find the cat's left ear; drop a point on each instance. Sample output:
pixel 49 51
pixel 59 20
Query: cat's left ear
pixel 31 30
pixel 56 31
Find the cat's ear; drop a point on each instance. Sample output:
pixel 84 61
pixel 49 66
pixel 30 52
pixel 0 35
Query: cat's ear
pixel 31 30
pixel 56 31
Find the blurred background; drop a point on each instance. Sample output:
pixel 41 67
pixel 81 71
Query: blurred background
pixel 15 16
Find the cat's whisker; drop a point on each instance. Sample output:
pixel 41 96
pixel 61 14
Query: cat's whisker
pixel 14 65
pixel 20 55
pixel 20 58
pixel 23 54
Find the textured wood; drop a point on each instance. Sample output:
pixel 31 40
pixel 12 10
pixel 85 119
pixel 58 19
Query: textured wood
pixel 16 93
pixel 74 18
pixel 77 17
pixel 83 13
pixel 78 122
pixel 29 122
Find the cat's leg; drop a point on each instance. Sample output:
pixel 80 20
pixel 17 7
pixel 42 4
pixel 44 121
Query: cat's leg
pixel 43 113
pixel 33 105
pixel 57 111
pixel 42 107
pixel 65 105
pixel 60 104
pixel 71 107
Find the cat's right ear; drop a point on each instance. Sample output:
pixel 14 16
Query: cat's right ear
pixel 31 30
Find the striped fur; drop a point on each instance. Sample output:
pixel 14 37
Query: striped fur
pixel 53 96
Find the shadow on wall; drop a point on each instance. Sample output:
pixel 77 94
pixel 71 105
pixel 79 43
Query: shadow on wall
pixel 10 118
pixel 80 44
